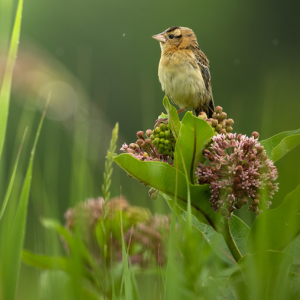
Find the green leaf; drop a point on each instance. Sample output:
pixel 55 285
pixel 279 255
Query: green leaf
pixel 12 254
pixel 218 288
pixel 280 144
pixel 174 121
pixel 239 231
pixel 47 262
pixel 162 176
pixel 6 85
pixel 276 228
pixel 193 136
pixel 264 275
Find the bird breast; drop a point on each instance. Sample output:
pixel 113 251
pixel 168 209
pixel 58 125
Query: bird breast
pixel 181 79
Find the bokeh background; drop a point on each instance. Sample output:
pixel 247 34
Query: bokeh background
pixel 99 62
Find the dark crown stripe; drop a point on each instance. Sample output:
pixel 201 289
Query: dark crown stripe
pixel 172 28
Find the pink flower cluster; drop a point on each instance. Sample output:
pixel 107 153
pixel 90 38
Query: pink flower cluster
pixel 239 168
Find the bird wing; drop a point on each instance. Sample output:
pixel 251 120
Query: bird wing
pixel 203 64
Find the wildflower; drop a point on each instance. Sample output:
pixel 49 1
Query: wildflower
pixel 154 145
pixel 239 169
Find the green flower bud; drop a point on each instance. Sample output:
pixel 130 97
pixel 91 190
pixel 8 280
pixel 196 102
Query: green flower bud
pixel 223 116
pixel 167 142
pixel 162 134
pixel 152 137
pixel 222 131
pixel 157 135
pixel 162 140
pixel 163 126
pixel 148 141
pixel 229 128
pixel 156 141
pixel 157 130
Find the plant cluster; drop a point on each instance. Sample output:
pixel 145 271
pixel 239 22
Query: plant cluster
pixel 156 145
pixel 239 169
pixel 144 234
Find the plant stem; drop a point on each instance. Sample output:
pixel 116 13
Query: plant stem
pixel 230 242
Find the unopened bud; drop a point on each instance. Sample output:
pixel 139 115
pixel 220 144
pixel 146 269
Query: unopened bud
pixel 132 146
pixel 256 175
pixel 260 149
pixel 219 109
pixel 246 164
pixel 149 132
pixel 229 190
pixel 214 115
pixel 223 131
pixel 239 187
pixel 163 126
pixel 157 130
pixel 209 123
pixel 236 180
pixel 239 137
pixel 140 134
pixel 214 123
pixel 263 157
pixel 218 127
pixel 255 135
pixel 202 115
pixel 140 142
pixel 229 122
pixel 229 128
pixel 223 116
pixel 255 202
pixel 148 141
pixel 239 169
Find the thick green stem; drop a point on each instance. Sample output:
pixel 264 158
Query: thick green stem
pixel 230 242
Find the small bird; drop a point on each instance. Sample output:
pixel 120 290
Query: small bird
pixel 183 70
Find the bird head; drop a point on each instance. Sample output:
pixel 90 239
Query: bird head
pixel 176 37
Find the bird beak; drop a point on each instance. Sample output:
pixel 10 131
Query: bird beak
pixel 160 37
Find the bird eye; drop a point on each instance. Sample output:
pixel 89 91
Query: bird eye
pixel 171 36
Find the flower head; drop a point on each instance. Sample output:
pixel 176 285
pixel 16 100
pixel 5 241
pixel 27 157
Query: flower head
pixel 239 169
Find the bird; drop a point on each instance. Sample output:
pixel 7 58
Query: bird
pixel 183 70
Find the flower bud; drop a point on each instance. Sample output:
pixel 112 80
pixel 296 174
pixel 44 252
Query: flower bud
pixel 202 115
pixel 239 187
pixel 211 157
pixel 162 134
pixel 152 137
pixel 167 133
pixel 209 123
pixel 239 137
pixel 255 135
pixel 236 180
pixel 157 130
pixel 244 201
pixel 156 141
pixel 256 175
pixel 239 169
pixel 255 202
pixel 218 127
pixel 240 193
pixel 140 142
pixel 223 116
pixel 257 195
pixel 214 123
pixel 222 131
pixel 263 157
pixel 140 134
pixel 260 149
pixel 148 141
pixel 162 140
pixel 132 146
pixel 130 151
pixel 229 122
pixel 229 128
pixel 149 133
pixel 219 109
pixel 214 115
pixel 163 126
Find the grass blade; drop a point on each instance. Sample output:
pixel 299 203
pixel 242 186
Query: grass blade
pixel 11 258
pixel 6 85
pixel 12 179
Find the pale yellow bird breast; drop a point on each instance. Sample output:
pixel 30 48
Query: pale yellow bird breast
pixel 182 82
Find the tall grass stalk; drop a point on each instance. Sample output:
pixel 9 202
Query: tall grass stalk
pixel 6 85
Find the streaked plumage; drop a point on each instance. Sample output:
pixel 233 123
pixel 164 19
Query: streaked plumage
pixel 184 70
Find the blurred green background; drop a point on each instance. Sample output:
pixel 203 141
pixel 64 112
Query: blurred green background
pixel 99 62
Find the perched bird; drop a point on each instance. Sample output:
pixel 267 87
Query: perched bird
pixel 184 70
